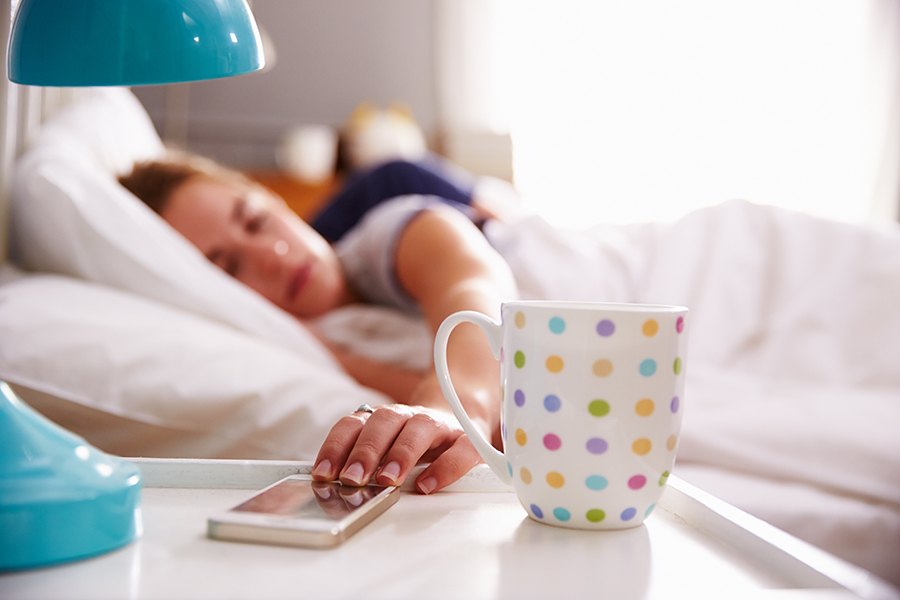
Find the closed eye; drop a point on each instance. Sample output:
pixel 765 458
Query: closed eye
pixel 232 266
pixel 255 222
pixel 228 262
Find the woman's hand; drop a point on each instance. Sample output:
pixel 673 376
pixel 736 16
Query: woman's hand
pixel 390 441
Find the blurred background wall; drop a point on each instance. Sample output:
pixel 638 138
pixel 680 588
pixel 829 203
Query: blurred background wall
pixel 598 110
pixel 329 57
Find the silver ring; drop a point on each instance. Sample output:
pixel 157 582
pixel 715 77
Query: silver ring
pixel 364 408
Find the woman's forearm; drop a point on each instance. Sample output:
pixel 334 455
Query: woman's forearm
pixel 398 383
pixel 446 264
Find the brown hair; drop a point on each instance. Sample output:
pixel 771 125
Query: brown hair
pixel 154 181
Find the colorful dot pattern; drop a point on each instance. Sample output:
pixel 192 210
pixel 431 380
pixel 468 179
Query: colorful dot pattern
pixel 618 471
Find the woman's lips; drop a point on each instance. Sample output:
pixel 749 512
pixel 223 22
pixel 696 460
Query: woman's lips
pixel 299 279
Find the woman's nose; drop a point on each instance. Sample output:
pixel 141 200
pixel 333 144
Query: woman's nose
pixel 267 254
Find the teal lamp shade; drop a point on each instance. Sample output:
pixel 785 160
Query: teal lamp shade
pixel 60 498
pixel 131 42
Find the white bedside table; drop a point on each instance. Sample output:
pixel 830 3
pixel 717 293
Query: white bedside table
pixel 472 541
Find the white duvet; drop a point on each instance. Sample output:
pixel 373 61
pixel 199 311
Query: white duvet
pixel 793 377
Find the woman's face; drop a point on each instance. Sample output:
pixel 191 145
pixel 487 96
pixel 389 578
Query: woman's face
pixel 259 241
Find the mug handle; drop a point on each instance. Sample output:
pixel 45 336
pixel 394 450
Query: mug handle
pixel 494 332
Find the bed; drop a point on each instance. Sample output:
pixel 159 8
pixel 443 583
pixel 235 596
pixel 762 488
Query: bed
pixel 115 327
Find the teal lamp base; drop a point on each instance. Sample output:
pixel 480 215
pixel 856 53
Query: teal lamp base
pixel 61 499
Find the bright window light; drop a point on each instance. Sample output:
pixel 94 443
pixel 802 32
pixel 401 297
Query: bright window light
pixel 643 111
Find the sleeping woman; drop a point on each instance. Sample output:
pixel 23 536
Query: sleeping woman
pixel 403 236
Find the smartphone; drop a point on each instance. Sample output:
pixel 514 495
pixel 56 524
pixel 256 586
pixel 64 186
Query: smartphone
pixel 298 511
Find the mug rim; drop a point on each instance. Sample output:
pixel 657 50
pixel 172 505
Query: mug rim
pixel 580 304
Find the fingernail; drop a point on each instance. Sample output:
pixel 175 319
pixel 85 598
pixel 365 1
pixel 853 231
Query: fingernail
pixel 323 469
pixel 391 471
pixel 427 485
pixel 354 473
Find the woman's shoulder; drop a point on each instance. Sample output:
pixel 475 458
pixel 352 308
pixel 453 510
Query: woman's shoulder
pixel 367 251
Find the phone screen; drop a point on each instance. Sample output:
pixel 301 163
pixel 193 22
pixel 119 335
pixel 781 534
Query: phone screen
pixel 297 499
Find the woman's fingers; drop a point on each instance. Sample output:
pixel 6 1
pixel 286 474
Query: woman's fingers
pixel 452 464
pixel 425 433
pixel 357 443
pixel 337 446
pixel 390 441
pixel 372 443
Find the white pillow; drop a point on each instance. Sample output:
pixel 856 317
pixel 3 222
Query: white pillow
pixel 69 215
pixel 189 362
pixel 138 378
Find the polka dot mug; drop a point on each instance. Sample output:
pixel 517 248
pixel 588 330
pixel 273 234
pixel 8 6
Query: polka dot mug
pixel 592 404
